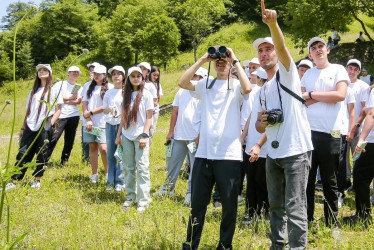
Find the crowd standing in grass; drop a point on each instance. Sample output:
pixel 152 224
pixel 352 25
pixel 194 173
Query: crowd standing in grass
pixel 269 121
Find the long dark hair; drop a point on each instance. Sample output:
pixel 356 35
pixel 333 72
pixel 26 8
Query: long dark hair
pixel 131 116
pixel 35 87
pixel 157 83
pixel 104 87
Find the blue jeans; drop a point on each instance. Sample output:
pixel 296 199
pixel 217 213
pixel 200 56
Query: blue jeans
pixel 115 172
pixel 287 179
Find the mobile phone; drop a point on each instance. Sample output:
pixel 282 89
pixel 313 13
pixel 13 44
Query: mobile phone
pixel 167 142
pixel 362 146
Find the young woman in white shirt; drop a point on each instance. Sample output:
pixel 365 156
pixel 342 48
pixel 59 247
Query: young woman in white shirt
pixel 136 121
pixel 94 134
pixel 154 77
pixel 112 105
pixel 37 111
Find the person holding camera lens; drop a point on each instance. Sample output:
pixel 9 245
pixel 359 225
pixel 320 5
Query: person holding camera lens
pixel 282 116
pixel 218 156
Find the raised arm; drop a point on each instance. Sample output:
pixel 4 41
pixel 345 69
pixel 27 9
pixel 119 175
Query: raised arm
pixel 185 81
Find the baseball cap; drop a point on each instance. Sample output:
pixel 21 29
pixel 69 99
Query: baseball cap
pixel 94 64
pixel 100 69
pixel 260 72
pixel 354 61
pixel 134 69
pixel 306 62
pixel 74 68
pixel 202 72
pixel 246 63
pixel 45 66
pixel 118 68
pixel 145 65
pixel 255 60
pixel 315 39
pixel 260 41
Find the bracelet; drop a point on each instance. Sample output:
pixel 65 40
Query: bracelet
pixel 91 113
pixel 310 94
pixel 22 128
pixel 258 145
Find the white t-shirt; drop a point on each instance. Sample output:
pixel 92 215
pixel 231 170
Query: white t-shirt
pixel 67 110
pixel 246 109
pixel 220 120
pixel 370 104
pixel 253 135
pixel 113 97
pixel 293 135
pixel 146 104
pixel 322 116
pixel 94 102
pixel 361 92
pixel 84 90
pixel 365 79
pixel 33 122
pixel 349 98
pixel 185 127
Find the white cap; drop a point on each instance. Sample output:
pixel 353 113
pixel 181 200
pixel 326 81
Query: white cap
pixel 260 41
pixel 134 69
pixel 255 60
pixel 100 69
pixel 306 62
pixel 44 66
pixel 260 72
pixel 203 72
pixel 74 68
pixel 118 68
pixel 94 64
pixel 354 61
pixel 246 63
pixel 315 39
pixel 145 65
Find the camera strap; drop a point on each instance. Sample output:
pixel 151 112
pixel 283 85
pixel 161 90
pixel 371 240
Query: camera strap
pixel 302 100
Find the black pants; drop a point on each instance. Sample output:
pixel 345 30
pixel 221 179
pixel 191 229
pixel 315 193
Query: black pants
pixel 244 165
pixel 40 148
pixel 257 195
pixel 69 125
pixel 363 174
pixel 226 175
pixel 85 149
pixel 326 156
pixel 344 171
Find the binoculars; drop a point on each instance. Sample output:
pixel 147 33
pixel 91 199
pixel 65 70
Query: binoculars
pixel 219 53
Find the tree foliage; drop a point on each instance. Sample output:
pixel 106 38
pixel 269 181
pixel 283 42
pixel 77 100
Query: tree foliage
pixel 15 11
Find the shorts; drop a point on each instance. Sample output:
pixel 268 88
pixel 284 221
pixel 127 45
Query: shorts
pixel 88 137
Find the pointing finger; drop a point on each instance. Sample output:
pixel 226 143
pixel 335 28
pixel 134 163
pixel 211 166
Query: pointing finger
pixel 263 7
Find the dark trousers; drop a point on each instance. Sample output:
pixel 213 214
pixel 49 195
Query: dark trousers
pixel 85 149
pixel 344 171
pixel 363 174
pixel 244 165
pixel 326 156
pixel 69 125
pixel 257 193
pixel 39 148
pixel 226 175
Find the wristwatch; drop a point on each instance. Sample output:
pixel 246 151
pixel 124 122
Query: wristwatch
pixel 145 135
pixel 91 113
pixel 235 61
pixel 358 125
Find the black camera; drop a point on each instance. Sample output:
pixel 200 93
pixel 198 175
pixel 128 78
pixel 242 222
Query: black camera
pixel 275 116
pixel 219 53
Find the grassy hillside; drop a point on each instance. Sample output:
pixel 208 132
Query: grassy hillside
pixel 68 212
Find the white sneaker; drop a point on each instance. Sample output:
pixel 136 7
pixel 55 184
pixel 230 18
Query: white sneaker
pixel 119 188
pixel 163 192
pixel 108 188
pixel 94 178
pixel 187 201
pixel 35 184
pixel 141 209
pixel 128 203
pixel 10 185
pixel 340 200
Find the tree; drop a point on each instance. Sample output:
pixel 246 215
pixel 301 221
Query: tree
pixel 24 60
pixel 309 18
pixel 161 39
pixel 15 11
pixel 5 67
pixel 198 18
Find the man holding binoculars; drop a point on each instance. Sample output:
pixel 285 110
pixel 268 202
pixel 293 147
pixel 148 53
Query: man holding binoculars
pixel 218 156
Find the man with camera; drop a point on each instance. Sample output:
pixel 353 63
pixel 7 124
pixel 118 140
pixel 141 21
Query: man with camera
pixel 283 119
pixel 218 156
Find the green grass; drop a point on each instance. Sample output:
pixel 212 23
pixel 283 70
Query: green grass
pixel 68 212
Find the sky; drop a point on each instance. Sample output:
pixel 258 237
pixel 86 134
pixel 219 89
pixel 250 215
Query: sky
pixel 5 3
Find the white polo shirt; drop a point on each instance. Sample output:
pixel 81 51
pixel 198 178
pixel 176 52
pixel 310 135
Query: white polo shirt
pixel 361 92
pixel 370 105
pixel 67 110
pixel 220 120
pixel 113 97
pixel 349 99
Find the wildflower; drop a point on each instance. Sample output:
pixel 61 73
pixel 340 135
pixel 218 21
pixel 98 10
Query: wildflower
pixel 46 141
pixel 8 102
pixel 35 7
pixel 45 167
pixel 85 51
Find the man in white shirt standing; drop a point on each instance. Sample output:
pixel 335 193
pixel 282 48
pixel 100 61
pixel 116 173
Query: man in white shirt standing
pixel 218 156
pixel 365 76
pixel 289 145
pixel 324 87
